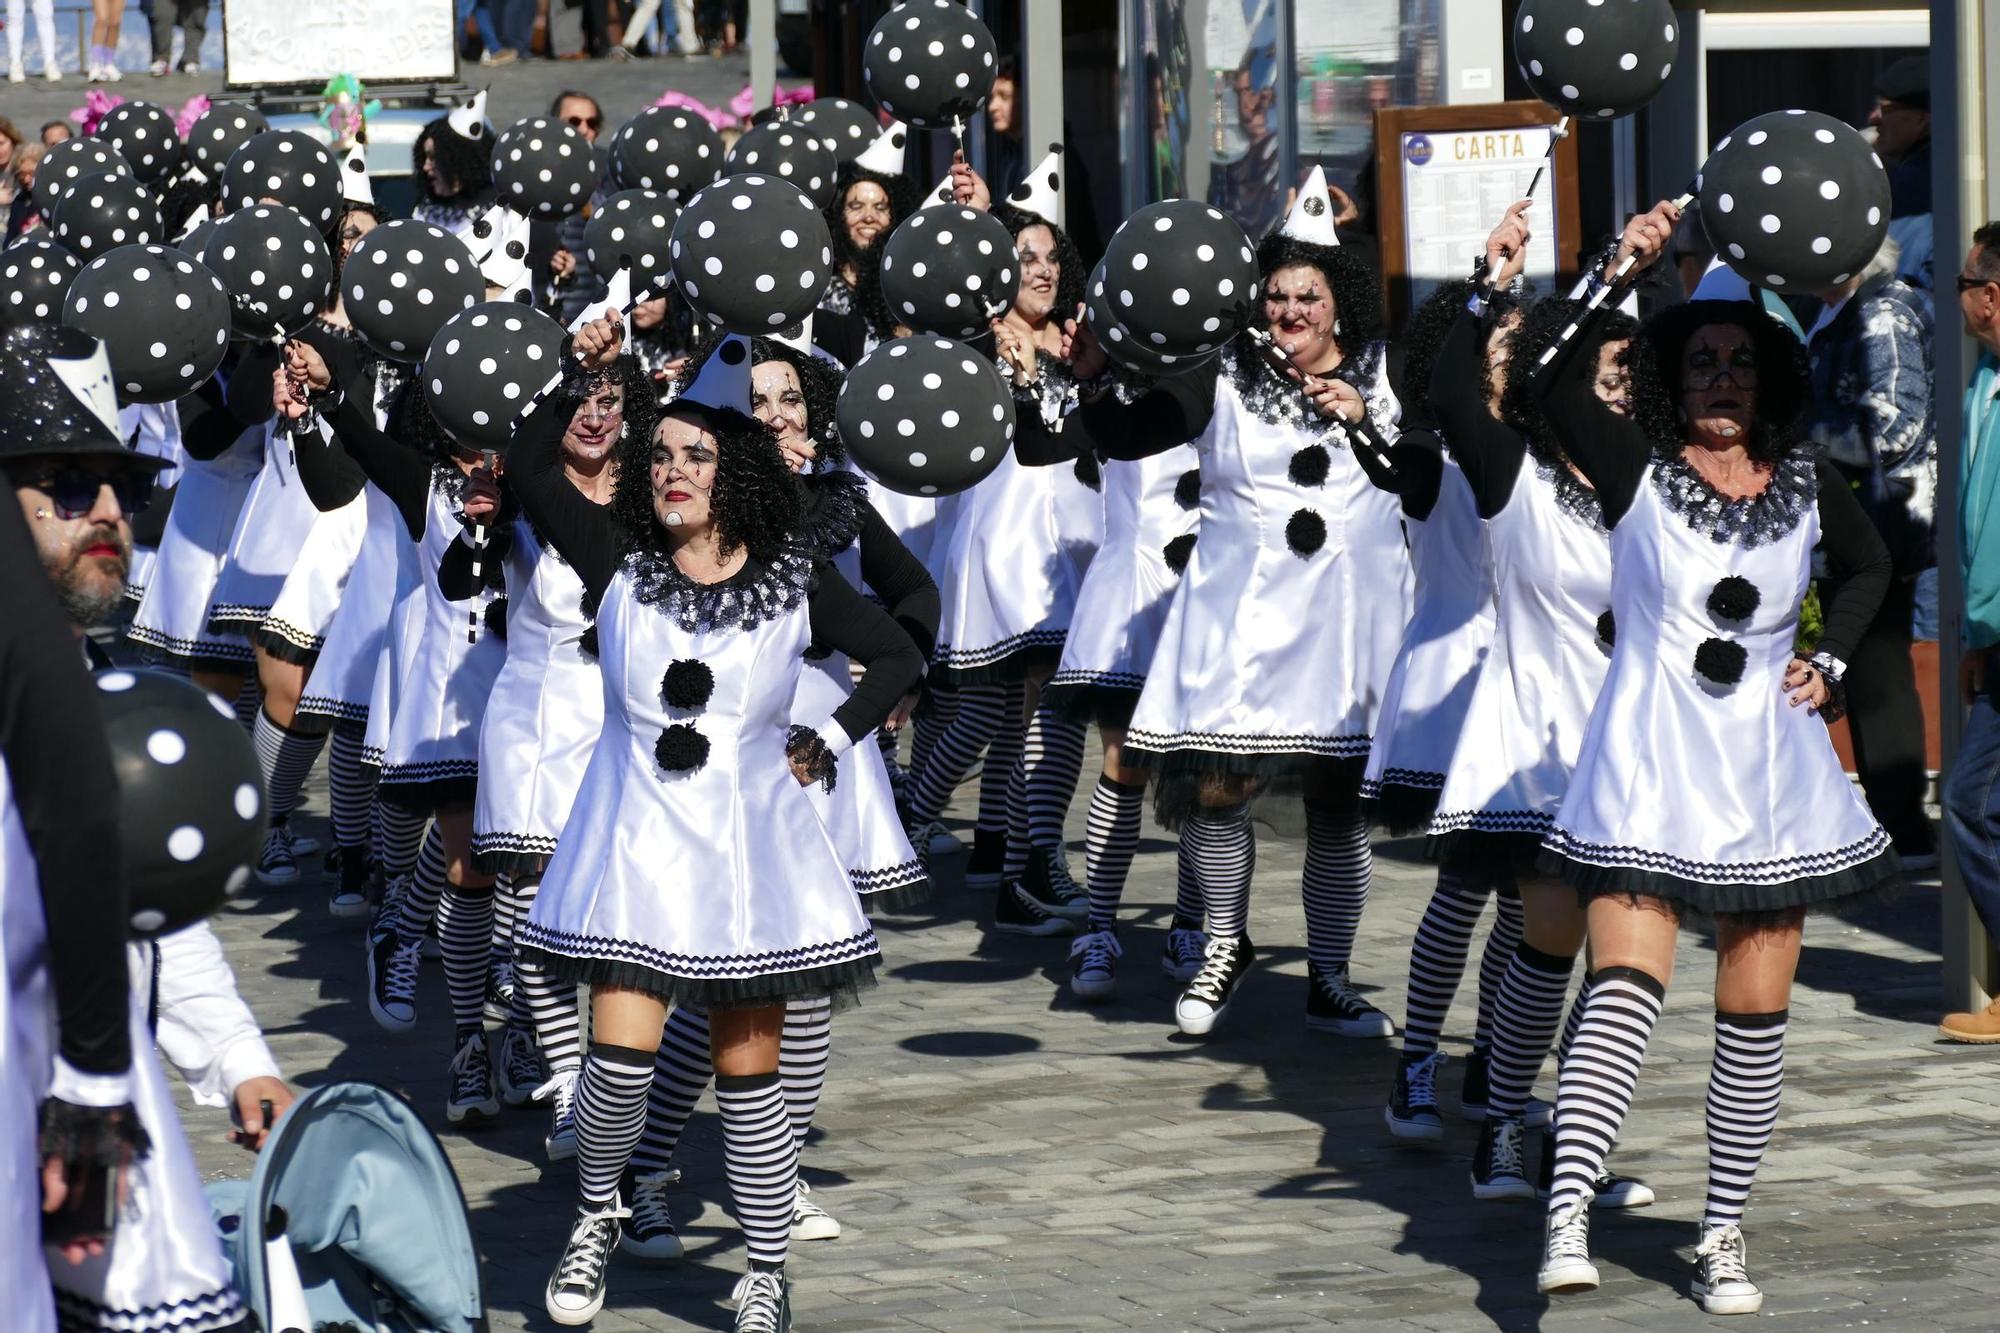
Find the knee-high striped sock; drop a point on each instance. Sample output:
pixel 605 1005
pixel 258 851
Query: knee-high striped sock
pixel 285 757
pixel 761 1161
pixel 1003 754
pixel 525 889
pixel 552 1013
pixel 420 904
pixel 955 749
pixel 506 921
pixel 682 1068
pixel 398 834
pixel 1575 1018
pixel 1745 1082
pixel 1525 1015
pixel 465 936
pixel 802 1057
pixel 1502 939
pixel 1190 903
pixel 1334 887
pixel 1221 851
pixel 351 787
pixel 1595 1087
pixel 1437 959
pixel 939 709
pixel 1052 776
pixel 610 1112
pixel 1110 841
pixel 249 703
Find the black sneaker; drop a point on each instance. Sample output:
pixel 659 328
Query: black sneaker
pixel 1187 945
pixel 278 863
pixel 1206 999
pixel 1094 966
pixel 1472 1093
pixel 1333 1005
pixel 576 1289
pixel 1722 1273
pixel 518 1066
pixel 650 1234
pixel 1412 1112
pixel 499 991
pixel 763 1303
pixel 1498 1171
pixel 392 980
pixel 1609 1190
pixel 350 897
pixel 1018 912
pixel 1047 879
pixel 985 867
pixel 470 1100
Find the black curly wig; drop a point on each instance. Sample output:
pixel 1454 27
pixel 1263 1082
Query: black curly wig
pixel 819 381
pixel 183 193
pixel 1075 273
pixel 340 217
pixel 1355 286
pixel 902 199
pixel 1783 385
pixel 641 407
pixel 1541 323
pixel 467 161
pixel 1424 337
pixel 757 503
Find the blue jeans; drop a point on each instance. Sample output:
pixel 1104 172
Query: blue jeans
pixel 1972 802
pixel 482 19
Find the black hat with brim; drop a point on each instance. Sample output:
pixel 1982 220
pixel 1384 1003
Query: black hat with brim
pixel 57 400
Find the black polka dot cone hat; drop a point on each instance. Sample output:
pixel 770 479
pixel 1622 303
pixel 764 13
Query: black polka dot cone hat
pixel 724 382
pixel 505 263
pixel 1040 191
pixel 355 187
pixel 469 121
pixel 1311 218
pixel 799 337
pixel 885 155
pixel 616 303
pixel 57 396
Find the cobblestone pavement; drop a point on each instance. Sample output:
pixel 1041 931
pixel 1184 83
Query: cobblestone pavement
pixel 1002 1159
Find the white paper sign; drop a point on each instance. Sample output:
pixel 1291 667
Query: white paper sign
pixel 269 42
pixel 1456 186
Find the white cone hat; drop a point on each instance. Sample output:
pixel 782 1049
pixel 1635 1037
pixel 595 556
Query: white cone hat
pixel 504 263
pixel 884 157
pixel 799 337
pixel 469 121
pixel 1040 191
pixel 1311 218
pixel 355 187
pixel 940 196
pixel 617 296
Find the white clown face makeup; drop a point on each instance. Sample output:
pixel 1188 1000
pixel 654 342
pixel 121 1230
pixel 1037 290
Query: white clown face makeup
pixel 1300 313
pixel 777 400
pixel 1041 273
pixel 683 474
pixel 1719 383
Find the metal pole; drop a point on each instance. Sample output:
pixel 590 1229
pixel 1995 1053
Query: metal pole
pixel 762 34
pixel 1040 102
pixel 1958 205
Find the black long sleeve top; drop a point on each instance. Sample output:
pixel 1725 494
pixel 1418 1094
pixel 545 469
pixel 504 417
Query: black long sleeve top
pixel 66 794
pixel 1487 450
pixel 1612 451
pixel 588 536
pixel 399 471
pixel 896 577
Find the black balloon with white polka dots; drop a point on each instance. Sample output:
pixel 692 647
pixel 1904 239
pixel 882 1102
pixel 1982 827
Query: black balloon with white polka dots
pixel 668 149
pixel 544 168
pixel 949 270
pixel 485 365
pixel 64 164
pixel 789 152
pixel 1794 201
pixel 751 254
pixel 402 281
pixel 99 213
pixel 192 811
pixel 162 316
pixel 1120 343
pixel 634 229
pixel 34 277
pixel 144 135
pixel 289 166
pixel 847 128
pixel 275 267
pixel 221 130
pixel 930 62
pixel 925 415
pixel 1596 59
pixel 1181 276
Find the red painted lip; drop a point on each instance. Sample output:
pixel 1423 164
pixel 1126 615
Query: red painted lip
pixel 104 551
pixel 679 495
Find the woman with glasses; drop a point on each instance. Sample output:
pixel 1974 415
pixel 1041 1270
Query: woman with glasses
pixel 1286 622
pixel 867 205
pixel 1705 783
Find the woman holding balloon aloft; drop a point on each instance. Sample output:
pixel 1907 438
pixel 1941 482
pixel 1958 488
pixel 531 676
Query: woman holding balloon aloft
pixel 1717 515
pixel 1019 544
pixel 1289 519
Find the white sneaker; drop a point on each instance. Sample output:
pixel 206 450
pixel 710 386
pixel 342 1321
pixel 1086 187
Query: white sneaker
pixel 650 1234
pixel 809 1220
pixel 112 74
pixel 1095 976
pixel 1722 1275
pixel 52 74
pixel 17 73
pixel 560 1093
pixel 1566 1262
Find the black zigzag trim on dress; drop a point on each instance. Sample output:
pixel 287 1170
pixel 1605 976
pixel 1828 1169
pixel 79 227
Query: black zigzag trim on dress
pixel 1107 698
pixel 1011 659
pixel 511 853
pixel 1217 752
pixel 287 642
pixel 326 706
pixel 198 651
pixel 1403 777
pixel 1863 868
pixel 1401 808
pixel 236 619
pixel 212 1313
pixel 429 786
pixel 838 969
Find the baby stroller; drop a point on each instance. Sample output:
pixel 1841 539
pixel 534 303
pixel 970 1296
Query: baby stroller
pixel 353 1222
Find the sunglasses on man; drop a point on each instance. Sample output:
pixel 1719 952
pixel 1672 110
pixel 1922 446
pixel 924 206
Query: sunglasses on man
pixel 73 492
pixel 591 123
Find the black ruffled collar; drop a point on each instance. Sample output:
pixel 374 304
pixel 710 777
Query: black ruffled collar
pixel 1756 521
pixel 758 593
pixel 1275 399
pixel 1052 390
pixel 1574 496
pixel 838 500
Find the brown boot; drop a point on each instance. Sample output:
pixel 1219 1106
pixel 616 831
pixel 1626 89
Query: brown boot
pixel 1982 1028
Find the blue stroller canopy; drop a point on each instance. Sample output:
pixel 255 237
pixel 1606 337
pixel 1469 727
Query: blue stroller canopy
pixel 365 1198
